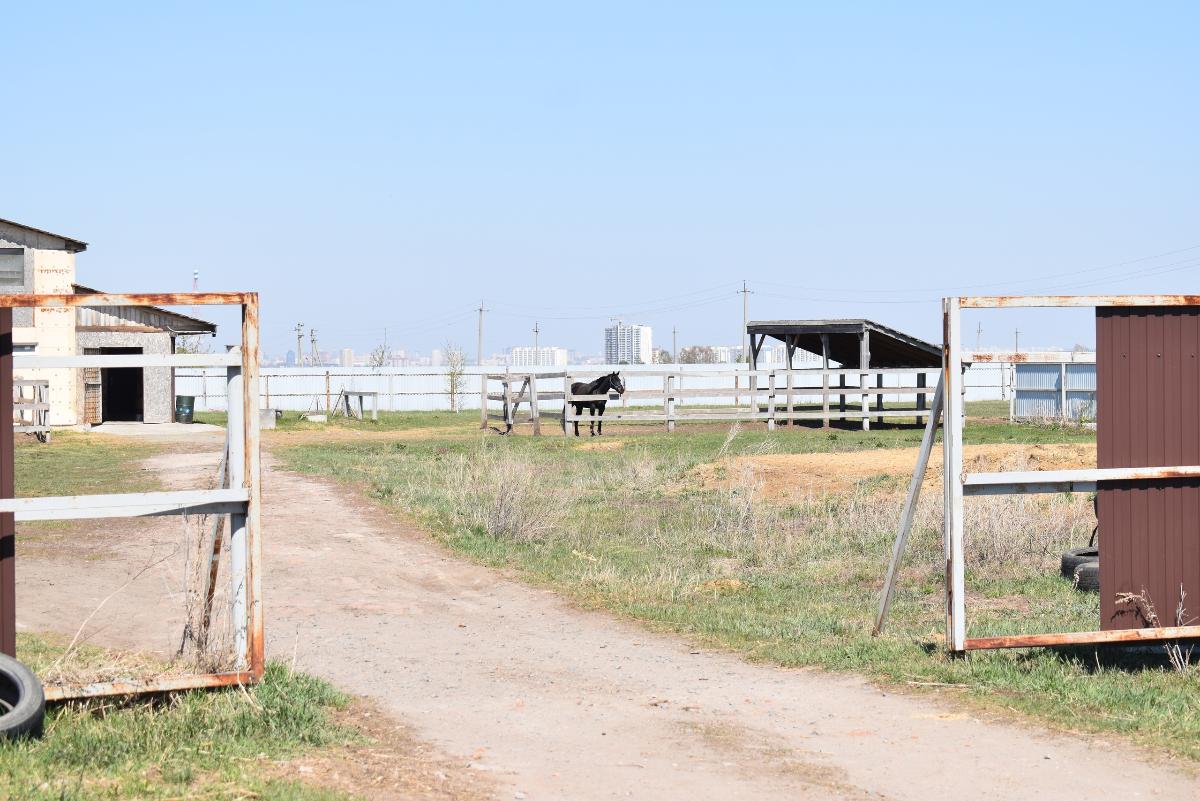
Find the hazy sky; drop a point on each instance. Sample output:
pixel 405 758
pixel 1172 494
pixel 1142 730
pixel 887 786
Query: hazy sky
pixel 388 165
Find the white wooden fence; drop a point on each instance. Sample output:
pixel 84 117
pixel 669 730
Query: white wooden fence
pixel 776 397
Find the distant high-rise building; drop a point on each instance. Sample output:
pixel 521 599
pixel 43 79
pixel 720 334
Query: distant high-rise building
pixel 628 344
pixel 436 359
pixel 548 356
pixel 290 359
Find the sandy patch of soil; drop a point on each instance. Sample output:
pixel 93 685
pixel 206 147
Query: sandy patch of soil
pixel 794 476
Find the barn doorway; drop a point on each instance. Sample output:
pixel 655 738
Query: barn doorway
pixel 121 389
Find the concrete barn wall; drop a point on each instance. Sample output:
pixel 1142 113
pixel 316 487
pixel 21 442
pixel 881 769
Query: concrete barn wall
pixel 158 400
pixel 48 270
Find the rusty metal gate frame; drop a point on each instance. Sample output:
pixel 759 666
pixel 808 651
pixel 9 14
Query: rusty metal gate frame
pixel 242 500
pixel 959 484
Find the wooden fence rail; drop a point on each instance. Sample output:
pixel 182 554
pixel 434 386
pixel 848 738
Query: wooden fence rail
pixel 776 397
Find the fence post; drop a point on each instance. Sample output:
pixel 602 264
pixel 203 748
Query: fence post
pixel 1062 390
pixel 328 403
pixel 483 400
pixel 508 403
pixel 669 400
pixel 267 389
pixel 879 398
pixel 771 401
pixel 566 416
pixel 391 407
pixel 534 416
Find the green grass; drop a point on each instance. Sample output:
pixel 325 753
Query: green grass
pixel 388 421
pixel 631 531
pixel 214 744
pixel 81 464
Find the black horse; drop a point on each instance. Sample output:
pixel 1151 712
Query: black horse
pixel 601 386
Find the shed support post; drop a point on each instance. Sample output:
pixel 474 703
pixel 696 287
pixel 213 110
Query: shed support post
pixel 920 397
pixel 864 378
pixel 789 344
pixel 952 536
pixel 825 382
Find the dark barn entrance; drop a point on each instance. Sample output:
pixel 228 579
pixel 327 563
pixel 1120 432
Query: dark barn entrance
pixel 121 389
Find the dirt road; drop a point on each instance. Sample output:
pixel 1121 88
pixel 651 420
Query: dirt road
pixel 555 703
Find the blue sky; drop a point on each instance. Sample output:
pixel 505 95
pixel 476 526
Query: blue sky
pixel 388 165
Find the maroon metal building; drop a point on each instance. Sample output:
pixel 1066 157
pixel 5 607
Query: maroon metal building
pixel 1148 415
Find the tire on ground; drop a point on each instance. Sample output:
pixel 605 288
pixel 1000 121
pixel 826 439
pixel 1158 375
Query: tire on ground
pixel 22 702
pixel 1087 577
pixel 1077 556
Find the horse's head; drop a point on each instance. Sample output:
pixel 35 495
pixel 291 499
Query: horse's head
pixel 614 381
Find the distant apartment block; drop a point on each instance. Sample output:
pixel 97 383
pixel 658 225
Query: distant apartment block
pixel 628 344
pixel 347 357
pixel 526 356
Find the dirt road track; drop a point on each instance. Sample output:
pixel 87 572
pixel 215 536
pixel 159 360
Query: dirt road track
pixel 555 703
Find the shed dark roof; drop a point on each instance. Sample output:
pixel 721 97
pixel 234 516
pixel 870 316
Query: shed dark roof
pixel 37 236
pixel 888 347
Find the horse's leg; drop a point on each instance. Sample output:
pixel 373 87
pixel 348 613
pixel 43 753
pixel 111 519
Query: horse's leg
pixel 578 411
pixel 591 419
pixel 600 419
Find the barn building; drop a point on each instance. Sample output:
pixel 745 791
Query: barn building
pixel 37 261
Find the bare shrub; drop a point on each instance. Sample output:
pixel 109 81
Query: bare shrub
pixel 1180 660
pixel 504 496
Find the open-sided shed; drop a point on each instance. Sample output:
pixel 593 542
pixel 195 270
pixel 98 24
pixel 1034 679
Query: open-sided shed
pixel 850 343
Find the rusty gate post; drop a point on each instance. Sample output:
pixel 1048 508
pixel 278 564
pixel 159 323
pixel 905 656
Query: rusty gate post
pixel 8 579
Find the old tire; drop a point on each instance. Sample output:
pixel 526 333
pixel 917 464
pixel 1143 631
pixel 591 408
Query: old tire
pixel 1087 577
pixel 1076 557
pixel 22 702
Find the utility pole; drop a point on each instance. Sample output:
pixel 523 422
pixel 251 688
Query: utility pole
pixel 479 346
pixel 1017 341
pixel 745 293
pixel 675 344
pixel 316 355
pixel 536 359
pixel 978 335
pixel 299 344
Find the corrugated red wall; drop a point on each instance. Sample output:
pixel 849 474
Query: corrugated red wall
pixel 1148 415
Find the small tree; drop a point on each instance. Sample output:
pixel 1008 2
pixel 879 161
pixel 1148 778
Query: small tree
pixel 697 354
pixel 381 356
pixel 456 379
pixel 661 356
pixel 193 343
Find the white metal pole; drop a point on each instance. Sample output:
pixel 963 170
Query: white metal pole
pixel 956 629
pixel 234 428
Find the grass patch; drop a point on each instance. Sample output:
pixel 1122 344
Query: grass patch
pixel 388 421
pixel 74 463
pixel 628 530
pixel 197 744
